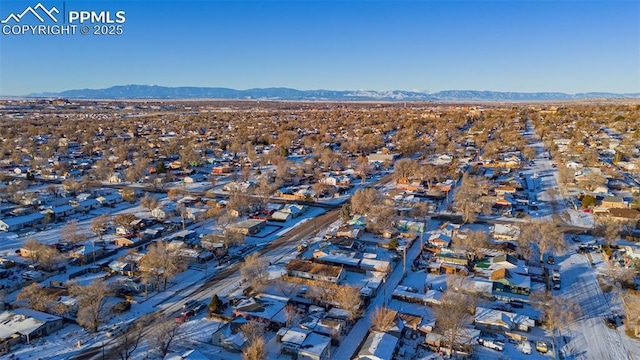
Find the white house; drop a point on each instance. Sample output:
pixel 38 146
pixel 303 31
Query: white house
pixel 378 346
pixel 27 324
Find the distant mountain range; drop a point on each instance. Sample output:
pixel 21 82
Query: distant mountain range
pixel 162 92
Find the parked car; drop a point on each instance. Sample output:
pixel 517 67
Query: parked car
pixel 199 308
pixel 492 344
pixel 556 285
pixel 188 313
pixel 502 307
pixel 30 275
pixel 525 347
pixel 190 304
pixel 611 322
pixel 542 347
pixel 516 304
pixel 551 260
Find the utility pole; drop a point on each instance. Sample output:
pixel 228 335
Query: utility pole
pixel 404 261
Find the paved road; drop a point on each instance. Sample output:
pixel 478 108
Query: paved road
pixel 227 280
pixel 359 331
pixel 588 337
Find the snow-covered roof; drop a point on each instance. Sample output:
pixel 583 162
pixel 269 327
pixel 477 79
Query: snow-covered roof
pixel 295 336
pixel 315 345
pixel 378 346
pixel 188 355
pixel 502 318
pixel 23 321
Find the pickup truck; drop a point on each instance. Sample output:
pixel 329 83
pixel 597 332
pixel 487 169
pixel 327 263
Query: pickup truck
pixel 492 344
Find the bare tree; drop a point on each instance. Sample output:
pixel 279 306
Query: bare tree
pixel 474 242
pixel 467 198
pixel 285 287
pixel 624 277
pixel 129 341
pixel 72 233
pixel 405 168
pixel 45 255
pixel 130 257
pixel 559 312
pixel 252 330
pixel 91 303
pixel 364 200
pixel 255 271
pixel 631 303
pixel 593 181
pixel 453 314
pixel 49 258
pixel 31 245
pixel 383 319
pixel 547 235
pixel 382 218
pixel 291 314
pixel 256 350
pixel 149 202
pixel 163 262
pixel 363 168
pixel 37 297
pixel 165 332
pixel 99 225
pixel 124 220
pixel 608 229
pixel 176 193
pixel 348 299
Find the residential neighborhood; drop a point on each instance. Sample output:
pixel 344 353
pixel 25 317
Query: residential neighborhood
pixel 319 230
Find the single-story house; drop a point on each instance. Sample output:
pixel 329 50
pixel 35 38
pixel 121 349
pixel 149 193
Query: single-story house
pixel 21 222
pixel 110 199
pixel 496 320
pixel 88 205
pixel 188 355
pixel 505 232
pixel 624 214
pixel 25 324
pixel 305 269
pixel 378 346
pixel 249 227
pixel 195 178
pixel 303 344
pixel 315 347
pixel 125 242
pixel 230 337
pixel 614 202
pixel 292 339
pixel 439 239
pixel 165 211
pixel 505 280
pixel 381 157
pixel 60 212
pixel 264 308
pixel 122 268
pixel 294 209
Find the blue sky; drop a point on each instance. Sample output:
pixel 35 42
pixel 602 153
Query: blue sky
pixel 567 46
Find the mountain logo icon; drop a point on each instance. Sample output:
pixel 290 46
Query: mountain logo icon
pixel 35 12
